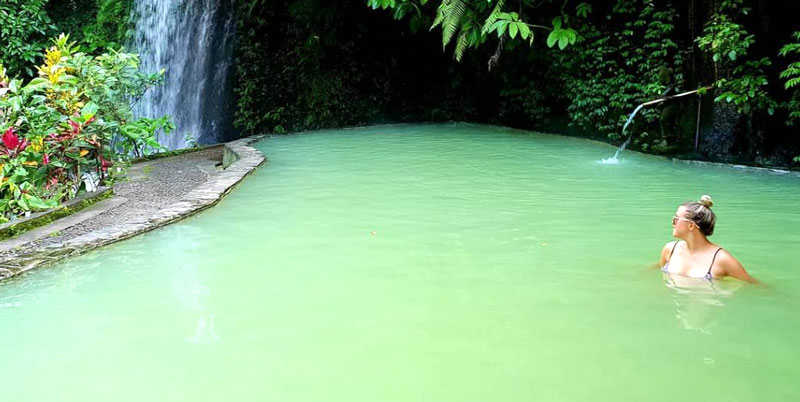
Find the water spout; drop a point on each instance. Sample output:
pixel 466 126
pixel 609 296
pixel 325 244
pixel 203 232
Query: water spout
pixel 613 160
pixel 625 127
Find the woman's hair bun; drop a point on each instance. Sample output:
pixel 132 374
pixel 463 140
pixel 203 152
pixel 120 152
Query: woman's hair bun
pixel 706 201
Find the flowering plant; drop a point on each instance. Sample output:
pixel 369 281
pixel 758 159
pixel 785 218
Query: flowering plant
pixel 73 119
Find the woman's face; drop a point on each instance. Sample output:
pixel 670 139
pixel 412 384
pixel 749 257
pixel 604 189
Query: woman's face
pixel 680 223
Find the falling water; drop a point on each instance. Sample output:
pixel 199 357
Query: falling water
pixel 613 160
pixel 193 41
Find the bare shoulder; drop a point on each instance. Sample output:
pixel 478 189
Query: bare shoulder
pixel 666 251
pixel 727 263
pixel 726 260
pixel 669 245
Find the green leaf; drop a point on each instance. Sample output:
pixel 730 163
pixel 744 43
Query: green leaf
pixel 40 174
pixel 36 84
pixel 501 27
pixel 489 24
pixel 22 202
pixel 583 10
pixel 524 30
pixel 38 203
pixel 461 46
pixel 89 111
pixel 552 38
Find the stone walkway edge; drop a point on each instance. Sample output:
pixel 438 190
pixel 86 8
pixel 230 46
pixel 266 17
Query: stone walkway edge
pixel 204 196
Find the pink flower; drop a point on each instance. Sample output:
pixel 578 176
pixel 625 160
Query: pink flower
pixel 76 128
pixel 45 159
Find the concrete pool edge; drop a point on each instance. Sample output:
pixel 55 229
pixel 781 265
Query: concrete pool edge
pixel 243 161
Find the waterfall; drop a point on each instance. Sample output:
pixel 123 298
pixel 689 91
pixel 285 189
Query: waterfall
pixel 192 40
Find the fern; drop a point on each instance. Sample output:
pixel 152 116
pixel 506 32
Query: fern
pixel 792 82
pixel 461 45
pixel 493 17
pixel 441 12
pixel 452 20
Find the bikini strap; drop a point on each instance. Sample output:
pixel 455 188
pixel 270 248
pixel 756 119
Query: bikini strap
pixel 673 250
pixel 708 274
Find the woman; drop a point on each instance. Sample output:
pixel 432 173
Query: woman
pixel 693 255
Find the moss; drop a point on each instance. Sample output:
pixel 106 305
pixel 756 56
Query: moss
pixel 52 215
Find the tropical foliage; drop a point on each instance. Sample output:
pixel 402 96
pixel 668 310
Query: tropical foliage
pixel 791 75
pixel 740 81
pixel 25 27
pixel 97 24
pixel 301 65
pixel 70 122
pixel 569 66
pixel 613 55
pixel 618 63
pixel 470 23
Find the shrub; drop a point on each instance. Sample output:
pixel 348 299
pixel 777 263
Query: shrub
pixel 70 124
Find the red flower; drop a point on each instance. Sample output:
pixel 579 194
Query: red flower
pixel 45 159
pixel 12 144
pixel 10 139
pixel 105 164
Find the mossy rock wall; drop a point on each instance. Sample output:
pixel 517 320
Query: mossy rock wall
pixel 11 229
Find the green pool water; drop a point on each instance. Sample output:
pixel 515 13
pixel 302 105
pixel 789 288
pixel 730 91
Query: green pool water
pixel 424 263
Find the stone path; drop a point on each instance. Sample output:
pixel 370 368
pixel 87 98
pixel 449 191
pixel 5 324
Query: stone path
pixel 154 194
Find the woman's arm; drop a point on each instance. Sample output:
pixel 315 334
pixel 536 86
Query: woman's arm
pixel 732 267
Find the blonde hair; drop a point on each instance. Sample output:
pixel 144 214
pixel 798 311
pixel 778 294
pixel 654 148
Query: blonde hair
pixel 701 214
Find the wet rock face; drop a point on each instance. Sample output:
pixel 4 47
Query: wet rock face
pixel 719 139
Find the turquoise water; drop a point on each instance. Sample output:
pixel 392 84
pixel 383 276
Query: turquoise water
pixel 424 263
